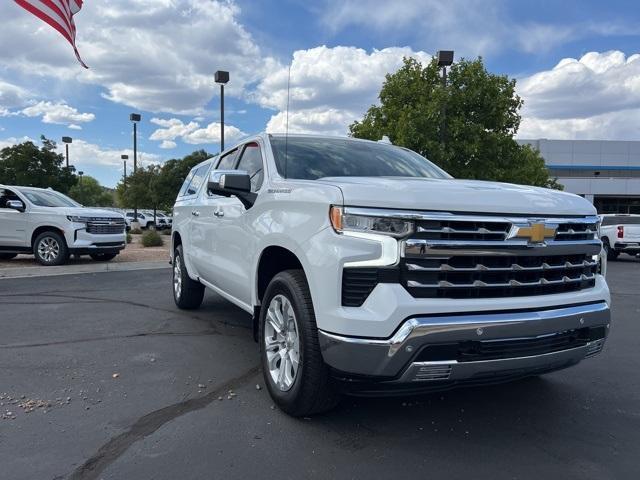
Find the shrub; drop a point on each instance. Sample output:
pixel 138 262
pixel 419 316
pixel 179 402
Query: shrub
pixel 135 231
pixel 151 238
pixel 129 238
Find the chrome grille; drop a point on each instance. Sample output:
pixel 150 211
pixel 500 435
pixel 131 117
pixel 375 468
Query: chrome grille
pixel 451 256
pixel 446 228
pixel 106 226
pixel 433 372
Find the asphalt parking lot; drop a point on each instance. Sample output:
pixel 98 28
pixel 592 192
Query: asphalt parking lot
pixel 104 378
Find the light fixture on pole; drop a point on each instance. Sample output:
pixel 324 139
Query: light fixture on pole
pixel 67 141
pixel 221 77
pixel 135 118
pixel 124 161
pixel 445 59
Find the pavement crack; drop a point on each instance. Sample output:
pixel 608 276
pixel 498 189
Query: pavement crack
pixel 107 337
pixel 149 424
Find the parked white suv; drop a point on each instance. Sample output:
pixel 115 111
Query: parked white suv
pixel 144 220
pixel 620 233
pixel 52 226
pixel 368 269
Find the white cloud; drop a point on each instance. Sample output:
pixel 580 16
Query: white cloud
pixel 73 126
pixel 330 87
pixel 154 55
pixel 58 113
pixel 597 96
pixel 11 96
pixel 11 141
pixel 211 134
pixel 83 154
pixel 191 132
pixel 168 144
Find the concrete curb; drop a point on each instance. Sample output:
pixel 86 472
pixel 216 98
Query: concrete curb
pixel 25 272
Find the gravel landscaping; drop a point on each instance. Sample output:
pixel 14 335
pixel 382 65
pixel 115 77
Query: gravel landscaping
pixel 134 252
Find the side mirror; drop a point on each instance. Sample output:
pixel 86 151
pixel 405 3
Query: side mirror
pixel 228 183
pixel 15 205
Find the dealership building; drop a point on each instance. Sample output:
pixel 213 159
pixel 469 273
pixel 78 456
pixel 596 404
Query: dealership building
pixel 607 173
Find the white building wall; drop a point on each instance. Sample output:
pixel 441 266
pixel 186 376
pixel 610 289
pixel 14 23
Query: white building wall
pixel 596 153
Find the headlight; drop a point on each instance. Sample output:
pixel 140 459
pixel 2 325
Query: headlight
pixel 76 219
pixel 345 222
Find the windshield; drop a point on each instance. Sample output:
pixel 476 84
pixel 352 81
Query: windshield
pixel 311 158
pixel 42 198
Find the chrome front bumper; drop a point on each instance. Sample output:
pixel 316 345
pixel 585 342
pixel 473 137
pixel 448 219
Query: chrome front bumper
pixel 394 360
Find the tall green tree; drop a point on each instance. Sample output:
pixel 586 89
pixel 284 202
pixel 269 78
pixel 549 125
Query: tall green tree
pixel 465 127
pixel 173 174
pixel 29 165
pixel 90 193
pixel 158 186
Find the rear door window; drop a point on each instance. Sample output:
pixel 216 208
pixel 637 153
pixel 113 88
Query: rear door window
pixel 198 179
pixel 185 185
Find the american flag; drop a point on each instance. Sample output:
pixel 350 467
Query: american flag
pixel 59 14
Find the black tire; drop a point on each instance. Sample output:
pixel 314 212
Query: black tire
pixel 189 294
pixel 611 253
pixel 103 257
pixel 8 256
pixel 312 390
pixel 50 249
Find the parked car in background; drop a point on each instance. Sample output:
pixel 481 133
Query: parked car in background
pixel 144 220
pixel 370 270
pixel 159 219
pixel 52 226
pixel 620 233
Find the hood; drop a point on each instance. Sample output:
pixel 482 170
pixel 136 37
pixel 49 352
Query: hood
pixel 89 212
pixel 450 195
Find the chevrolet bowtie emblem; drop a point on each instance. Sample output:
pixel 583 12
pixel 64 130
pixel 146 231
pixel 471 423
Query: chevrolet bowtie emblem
pixel 536 232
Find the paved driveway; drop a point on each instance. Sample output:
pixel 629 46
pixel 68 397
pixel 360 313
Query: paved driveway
pixel 105 378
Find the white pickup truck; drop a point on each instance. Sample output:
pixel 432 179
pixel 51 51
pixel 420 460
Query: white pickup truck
pixel 369 270
pixel 620 233
pixel 52 226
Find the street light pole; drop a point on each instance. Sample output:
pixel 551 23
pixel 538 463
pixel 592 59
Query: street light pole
pixel 221 77
pixel 67 141
pixel 135 118
pixel 124 161
pixel 445 59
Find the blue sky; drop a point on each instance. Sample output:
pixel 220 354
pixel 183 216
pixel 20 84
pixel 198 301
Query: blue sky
pixel 577 66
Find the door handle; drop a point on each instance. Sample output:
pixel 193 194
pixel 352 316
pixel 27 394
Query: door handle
pixel 195 213
pixel 219 213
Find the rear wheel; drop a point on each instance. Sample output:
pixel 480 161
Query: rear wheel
pixel 103 257
pixel 187 293
pixel 8 256
pixel 50 249
pixel 295 373
pixel 611 253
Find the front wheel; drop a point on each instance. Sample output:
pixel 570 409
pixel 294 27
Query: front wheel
pixel 187 293
pixel 103 257
pixel 295 373
pixel 50 249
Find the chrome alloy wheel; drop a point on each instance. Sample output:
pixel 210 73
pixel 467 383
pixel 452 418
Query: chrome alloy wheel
pixel 48 249
pixel 282 344
pixel 177 276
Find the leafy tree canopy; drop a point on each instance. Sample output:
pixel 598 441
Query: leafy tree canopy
pixel 156 187
pixel 90 193
pixel 29 165
pixel 482 116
